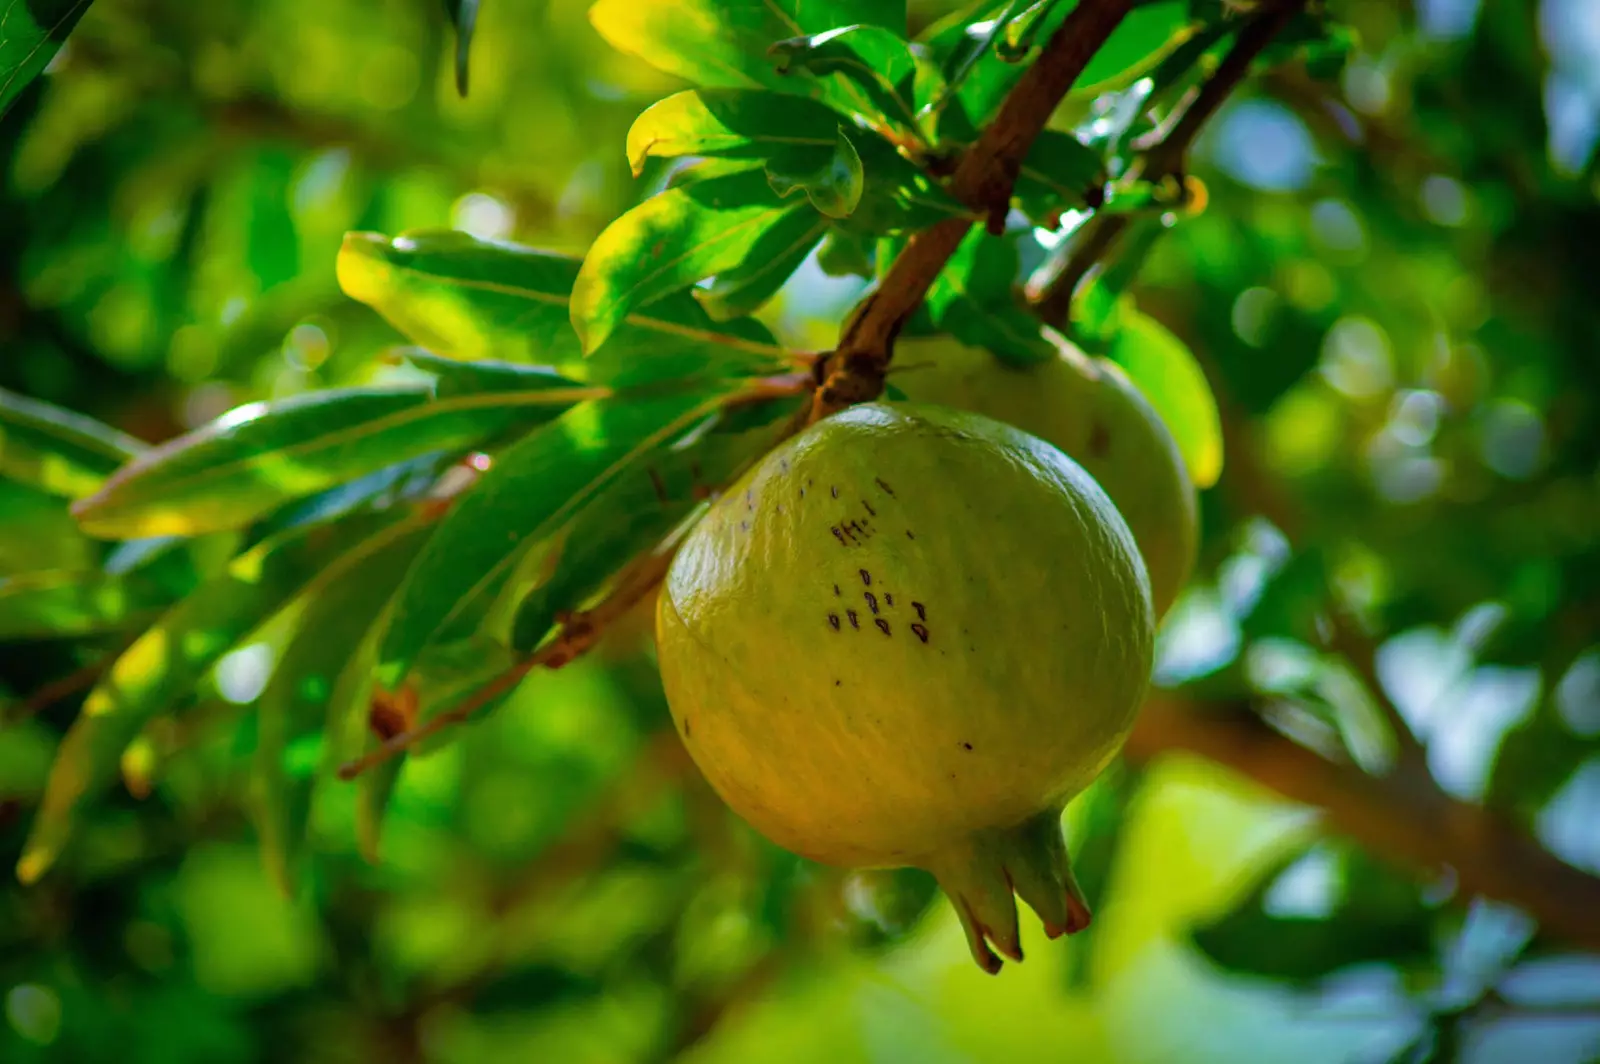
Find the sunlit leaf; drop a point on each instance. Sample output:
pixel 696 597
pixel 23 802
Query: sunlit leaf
pixel 30 33
pixel 57 450
pixel 723 43
pixel 162 666
pixel 473 299
pixel 831 177
pixel 773 260
pixel 1168 375
pixel 1059 173
pixel 257 457
pixel 343 600
pixel 669 243
pixel 532 490
pixel 728 123
pixel 453 377
pixel 873 68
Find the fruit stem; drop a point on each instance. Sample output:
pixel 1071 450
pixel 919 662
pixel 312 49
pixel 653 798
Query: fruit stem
pixel 1028 860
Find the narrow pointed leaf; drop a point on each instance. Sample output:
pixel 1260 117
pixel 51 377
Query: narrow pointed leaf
pixel 728 123
pixel 260 456
pixel 464 16
pixel 669 243
pixel 55 604
pixel 453 377
pixel 748 286
pixel 346 596
pixel 163 666
pixel 31 32
pixel 532 490
pixel 57 450
pixel 472 299
pixel 1166 372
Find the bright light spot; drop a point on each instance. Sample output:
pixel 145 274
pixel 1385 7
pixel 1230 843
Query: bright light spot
pixel 1252 314
pixel 306 347
pixel 1444 200
pixel 1356 358
pixel 1492 701
pixel 34 1012
pixel 1337 227
pixel 321 180
pixel 1578 695
pixel 1280 666
pixel 480 462
pixel 1446 20
pixel 1199 637
pixel 233 309
pixel 1264 145
pixel 1367 85
pixel 1417 668
pixel 1572 118
pixel 1414 417
pixel 1513 439
pixel 1307 888
pixel 1404 478
pixel 1570 824
pixel 242 674
pixel 484 216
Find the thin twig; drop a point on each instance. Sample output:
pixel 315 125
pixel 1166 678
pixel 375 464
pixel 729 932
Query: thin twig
pixel 982 181
pixel 1167 159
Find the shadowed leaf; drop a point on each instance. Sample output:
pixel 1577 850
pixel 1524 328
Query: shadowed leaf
pixel 56 450
pixel 30 34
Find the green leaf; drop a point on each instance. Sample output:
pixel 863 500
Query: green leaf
pixel 31 31
pixel 871 67
pixel 340 605
pixel 259 456
pixel 669 243
pixel 646 503
pixel 164 664
pixel 1147 36
pixel 1168 375
pixel 473 299
pixel 972 300
pixel 729 123
pixel 464 17
pixel 56 450
pixel 38 532
pixel 55 604
pixel 748 286
pixel 453 378
pixel 723 43
pixel 530 493
pixel 898 196
pixel 1060 173
pixel 832 178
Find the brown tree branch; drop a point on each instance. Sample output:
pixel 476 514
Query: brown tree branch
pixel 982 180
pixel 1402 816
pixel 1053 302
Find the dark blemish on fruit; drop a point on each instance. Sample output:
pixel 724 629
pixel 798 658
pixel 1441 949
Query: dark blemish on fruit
pixel 838 683
pixel 966 746
pixel 884 485
pixel 835 590
pixel 921 630
pixel 838 535
pixel 779 508
pixel 835 490
pixel 745 525
pixel 688 727
pixel 661 489
pixel 783 464
pixel 1099 441
pixel 833 619
pixel 909 534
pixel 883 625
pixel 870 510
pixel 888 598
pixel 866 577
pixel 852 615
pixel 922 614
pixel 872 602
pixel 855 527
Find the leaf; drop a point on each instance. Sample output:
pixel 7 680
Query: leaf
pixel 257 457
pixel 729 123
pixel 38 532
pixel 464 17
pixel 55 604
pixel 898 197
pixel 723 43
pixel 343 599
pixel 668 243
pixel 31 31
pixel 831 178
pixel 1060 173
pixel 165 663
pixel 532 490
pixel 873 69
pixel 1168 375
pixel 1377 916
pixel 750 285
pixel 647 502
pixel 972 300
pixel 454 378
pixel 56 450
pixel 473 300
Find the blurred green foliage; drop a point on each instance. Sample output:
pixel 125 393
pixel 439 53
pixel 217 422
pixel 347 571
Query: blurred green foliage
pixel 1388 291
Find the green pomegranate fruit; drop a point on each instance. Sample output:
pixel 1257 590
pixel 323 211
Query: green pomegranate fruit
pixel 907 637
pixel 1088 408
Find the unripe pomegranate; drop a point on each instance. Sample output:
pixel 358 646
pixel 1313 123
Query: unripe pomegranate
pixel 907 637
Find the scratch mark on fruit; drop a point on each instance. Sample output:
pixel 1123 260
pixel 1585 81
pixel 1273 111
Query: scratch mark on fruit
pixel 852 615
pixel 921 630
pixel 872 602
pixel 839 535
pixel 661 489
pixel 870 510
pixel 835 490
pixel 885 486
pixel 922 614
pixel 835 590
pixel 910 534
pixel 833 619
pixel 866 577
pixel 1099 441
pixel 783 464
pixel 883 625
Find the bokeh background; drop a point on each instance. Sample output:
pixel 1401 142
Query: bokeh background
pixel 1393 290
